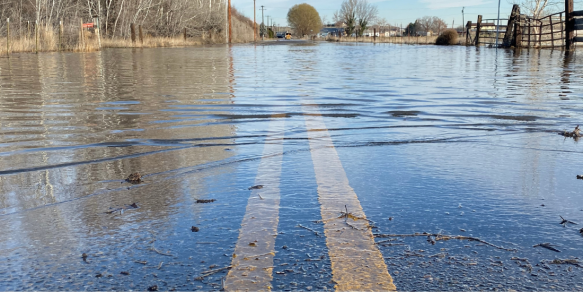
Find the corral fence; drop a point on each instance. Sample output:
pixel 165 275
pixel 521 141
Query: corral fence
pixel 556 30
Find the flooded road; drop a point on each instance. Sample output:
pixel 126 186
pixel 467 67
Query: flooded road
pixel 291 167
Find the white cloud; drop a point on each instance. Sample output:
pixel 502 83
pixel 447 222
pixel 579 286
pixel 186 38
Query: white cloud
pixel 441 4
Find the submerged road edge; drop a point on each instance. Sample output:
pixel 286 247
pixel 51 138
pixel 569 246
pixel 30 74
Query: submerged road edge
pixel 252 263
pixel 357 264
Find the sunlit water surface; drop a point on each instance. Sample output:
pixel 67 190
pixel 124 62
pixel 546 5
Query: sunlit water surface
pixel 451 140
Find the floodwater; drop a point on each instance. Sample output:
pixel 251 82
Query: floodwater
pixel 452 141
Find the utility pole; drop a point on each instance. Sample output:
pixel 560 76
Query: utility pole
pixel 463 15
pixel 230 25
pixel 262 23
pixel 254 22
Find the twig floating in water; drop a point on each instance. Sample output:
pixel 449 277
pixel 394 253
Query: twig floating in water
pixel 383 241
pixel 210 272
pixel 159 252
pixel 439 237
pixel 564 222
pixel 307 228
pixel 547 246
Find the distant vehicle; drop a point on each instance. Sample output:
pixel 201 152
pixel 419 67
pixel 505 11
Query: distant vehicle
pixel 280 35
pixel 288 36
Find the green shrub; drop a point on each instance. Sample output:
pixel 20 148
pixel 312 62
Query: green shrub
pixel 447 38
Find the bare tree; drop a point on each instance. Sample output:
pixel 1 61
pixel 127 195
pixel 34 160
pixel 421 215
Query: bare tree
pixel 356 13
pixel 347 15
pixel 430 24
pixel 382 24
pixel 157 17
pixel 366 13
pixel 538 8
pixel 438 25
pixel 425 24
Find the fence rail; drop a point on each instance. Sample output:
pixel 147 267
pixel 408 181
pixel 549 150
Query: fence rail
pixel 551 31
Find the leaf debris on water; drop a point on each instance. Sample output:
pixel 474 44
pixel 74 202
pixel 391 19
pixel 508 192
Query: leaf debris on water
pixel 134 178
pixel 205 201
pixel 442 237
pixel 574 134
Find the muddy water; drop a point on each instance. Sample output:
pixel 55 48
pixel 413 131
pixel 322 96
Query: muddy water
pixel 455 141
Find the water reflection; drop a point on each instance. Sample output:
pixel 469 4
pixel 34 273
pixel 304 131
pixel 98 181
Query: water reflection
pixel 478 125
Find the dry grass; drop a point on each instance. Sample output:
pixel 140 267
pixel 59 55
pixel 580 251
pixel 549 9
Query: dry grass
pixel 153 42
pixel 392 40
pixel 70 40
pixel 447 38
pixel 48 41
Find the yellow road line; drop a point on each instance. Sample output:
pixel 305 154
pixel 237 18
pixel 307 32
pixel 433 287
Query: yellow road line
pixel 252 264
pixel 357 264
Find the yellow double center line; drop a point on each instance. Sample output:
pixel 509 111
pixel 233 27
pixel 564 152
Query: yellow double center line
pixel 252 264
pixel 357 264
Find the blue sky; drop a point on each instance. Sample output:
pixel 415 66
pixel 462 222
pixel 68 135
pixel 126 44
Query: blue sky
pixel 394 11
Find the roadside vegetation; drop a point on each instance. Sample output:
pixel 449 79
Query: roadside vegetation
pixel 447 38
pixel 72 25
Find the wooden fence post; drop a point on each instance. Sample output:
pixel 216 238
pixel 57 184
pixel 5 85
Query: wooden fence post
pixel 562 29
pixel 133 32
pixel 540 34
pixel 478 28
pixel 569 26
pixel 141 34
pixel 517 38
pixel 185 34
pixel 529 30
pixel 552 32
pixel 468 29
pixel 510 26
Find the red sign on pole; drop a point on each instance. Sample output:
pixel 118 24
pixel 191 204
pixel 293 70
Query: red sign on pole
pixel 87 25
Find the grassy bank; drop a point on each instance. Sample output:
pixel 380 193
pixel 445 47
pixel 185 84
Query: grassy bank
pixel 72 39
pixel 422 40
pixel 51 41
